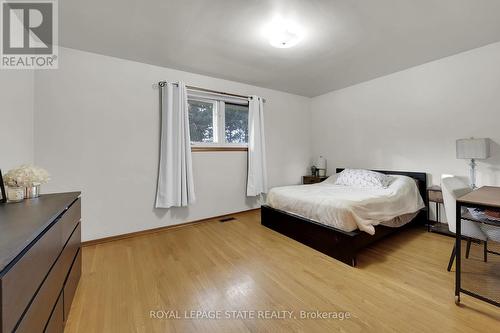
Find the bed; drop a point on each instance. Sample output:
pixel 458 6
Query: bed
pixel 341 221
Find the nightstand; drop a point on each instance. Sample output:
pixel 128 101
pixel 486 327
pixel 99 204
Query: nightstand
pixel 313 179
pixel 435 195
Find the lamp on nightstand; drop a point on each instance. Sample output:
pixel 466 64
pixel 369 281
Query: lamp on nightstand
pixel 473 149
pixel 321 166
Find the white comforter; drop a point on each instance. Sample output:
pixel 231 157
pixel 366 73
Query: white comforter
pixel 348 208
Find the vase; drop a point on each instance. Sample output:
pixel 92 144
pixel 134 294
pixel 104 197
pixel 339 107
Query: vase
pixel 32 192
pixel 15 194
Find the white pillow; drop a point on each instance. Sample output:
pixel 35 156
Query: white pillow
pixel 363 178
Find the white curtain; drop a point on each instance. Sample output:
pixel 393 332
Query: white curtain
pixel 257 174
pixel 175 175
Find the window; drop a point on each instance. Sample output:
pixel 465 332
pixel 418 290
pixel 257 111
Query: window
pixel 236 123
pixel 217 123
pixel 202 115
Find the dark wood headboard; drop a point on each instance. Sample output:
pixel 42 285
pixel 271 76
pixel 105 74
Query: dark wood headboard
pixel 420 177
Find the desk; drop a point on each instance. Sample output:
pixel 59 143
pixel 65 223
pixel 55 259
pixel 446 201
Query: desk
pixel 487 197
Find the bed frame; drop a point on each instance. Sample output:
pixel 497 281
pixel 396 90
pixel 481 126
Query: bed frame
pixel 334 242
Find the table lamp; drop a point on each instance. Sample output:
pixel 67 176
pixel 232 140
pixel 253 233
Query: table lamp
pixel 321 166
pixel 473 149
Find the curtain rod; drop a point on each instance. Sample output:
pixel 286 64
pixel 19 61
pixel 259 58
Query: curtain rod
pixel 162 84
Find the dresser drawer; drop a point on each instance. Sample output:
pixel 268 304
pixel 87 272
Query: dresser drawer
pixel 70 250
pixel 39 310
pixel 20 283
pixel 70 219
pixel 312 179
pixel 72 283
pixel 55 324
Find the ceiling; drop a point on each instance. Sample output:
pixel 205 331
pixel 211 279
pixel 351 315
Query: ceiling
pixel 345 41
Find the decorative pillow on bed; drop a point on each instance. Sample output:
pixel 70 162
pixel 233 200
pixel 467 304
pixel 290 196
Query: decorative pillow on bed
pixel 363 178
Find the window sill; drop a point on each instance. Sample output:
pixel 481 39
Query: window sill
pixel 208 149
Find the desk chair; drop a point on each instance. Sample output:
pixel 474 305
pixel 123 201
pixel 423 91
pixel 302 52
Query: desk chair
pixel 453 188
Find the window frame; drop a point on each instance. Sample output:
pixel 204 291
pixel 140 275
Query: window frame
pixel 219 126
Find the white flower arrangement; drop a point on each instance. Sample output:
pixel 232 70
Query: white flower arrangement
pixel 26 176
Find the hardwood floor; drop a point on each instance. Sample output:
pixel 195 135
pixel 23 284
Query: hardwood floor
pixel 400 285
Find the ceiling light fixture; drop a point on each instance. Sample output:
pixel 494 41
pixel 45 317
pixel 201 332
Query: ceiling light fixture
pixel 283 33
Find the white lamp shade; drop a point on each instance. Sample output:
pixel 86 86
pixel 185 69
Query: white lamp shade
pixel 321 163
pixel 473 148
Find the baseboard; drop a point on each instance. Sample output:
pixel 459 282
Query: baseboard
pixel 160 229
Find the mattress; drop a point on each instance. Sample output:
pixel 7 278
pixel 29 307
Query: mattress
pixel 350 208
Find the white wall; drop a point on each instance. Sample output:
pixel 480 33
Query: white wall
pixel 97 130
pixel 16 118
pixel 410 120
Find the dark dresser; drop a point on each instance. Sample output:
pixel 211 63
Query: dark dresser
pixel 40 262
